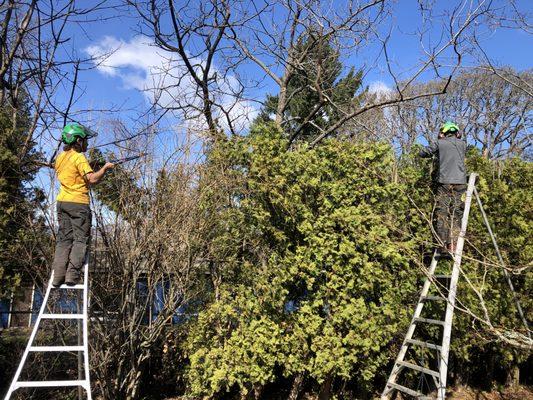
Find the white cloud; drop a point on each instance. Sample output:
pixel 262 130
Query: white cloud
pixel 132 61
pixel 379 88
pixel 162 77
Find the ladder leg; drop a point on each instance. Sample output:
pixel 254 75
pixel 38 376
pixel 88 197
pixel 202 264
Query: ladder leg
pixel 13 385
pixel 418 311
pixel 450 306
pixel 79 329
pixel 85 331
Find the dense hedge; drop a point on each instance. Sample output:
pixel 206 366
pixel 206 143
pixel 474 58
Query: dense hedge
pixel 323 251
pixel 318 255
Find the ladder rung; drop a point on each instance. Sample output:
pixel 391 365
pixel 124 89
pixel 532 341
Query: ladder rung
pixel 433 298
pixel 30 384
pixel 56 348
pixel 62 316
pixel 63 286
pixel 430 321
pixel 404 389
pixel 424 344
pixel 419 368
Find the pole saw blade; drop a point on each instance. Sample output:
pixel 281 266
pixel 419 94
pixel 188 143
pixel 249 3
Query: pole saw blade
pixel 126 159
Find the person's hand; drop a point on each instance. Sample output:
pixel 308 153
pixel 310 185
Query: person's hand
pixel 108 165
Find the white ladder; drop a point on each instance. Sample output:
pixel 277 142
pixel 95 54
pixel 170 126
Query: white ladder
pixel 439 377
pixel 83 347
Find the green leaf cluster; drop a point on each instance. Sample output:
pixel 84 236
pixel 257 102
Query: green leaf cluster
pixel 315 83
pixel 505 191
pixel 19 224
pixel 320 273
pixel 118 191
pixel 319 253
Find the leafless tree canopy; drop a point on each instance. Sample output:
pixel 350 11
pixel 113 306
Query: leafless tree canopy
pixel 211 45
pixel 494 114
pixel 39 69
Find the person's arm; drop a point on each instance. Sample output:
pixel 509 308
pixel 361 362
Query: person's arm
pixel 429 151
pixel 93 178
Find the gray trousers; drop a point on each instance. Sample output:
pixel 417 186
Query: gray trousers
pixel 72 241
pixel 449 211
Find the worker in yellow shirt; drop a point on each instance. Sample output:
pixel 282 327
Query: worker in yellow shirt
pixel 73 211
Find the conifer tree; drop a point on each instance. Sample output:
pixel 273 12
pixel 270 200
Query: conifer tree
pixel 317 91
pixel 19 201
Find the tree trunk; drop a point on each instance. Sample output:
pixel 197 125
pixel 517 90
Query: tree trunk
pixel 258 391
pixel 252 392
pixel 513 377
pixel 325 389
pixel 296 386
pixel 282 99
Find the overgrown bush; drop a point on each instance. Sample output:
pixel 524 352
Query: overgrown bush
pixel 322 254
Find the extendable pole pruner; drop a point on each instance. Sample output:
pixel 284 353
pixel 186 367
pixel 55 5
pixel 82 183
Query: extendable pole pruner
pixel 126 159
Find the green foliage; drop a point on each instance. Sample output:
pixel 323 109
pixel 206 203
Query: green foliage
pixel 505 190
pixel 18 200
pixel 316 81
pixel 10 344
pixel 321 290
pixel 322 250
pixel 118 190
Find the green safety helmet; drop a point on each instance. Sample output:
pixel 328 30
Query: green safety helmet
pixel 75 130
pixel 449 126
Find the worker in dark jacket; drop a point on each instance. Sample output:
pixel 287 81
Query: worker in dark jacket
pixel 450 149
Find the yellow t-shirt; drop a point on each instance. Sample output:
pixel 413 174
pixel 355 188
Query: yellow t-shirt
pixel 71 168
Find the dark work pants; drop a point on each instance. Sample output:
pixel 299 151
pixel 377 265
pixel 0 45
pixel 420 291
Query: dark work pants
pixel 449 211
pixel 72 240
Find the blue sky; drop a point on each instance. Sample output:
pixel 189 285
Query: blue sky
pixel 119 81
pixel 129 69
pixel 505 46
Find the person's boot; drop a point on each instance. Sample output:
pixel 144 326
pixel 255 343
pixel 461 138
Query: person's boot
pixel 59 276
pixel 444 253
pixel 451 248
pixel 72 277
pixel 58 280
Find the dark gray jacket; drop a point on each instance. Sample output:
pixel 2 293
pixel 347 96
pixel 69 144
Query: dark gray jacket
pixel 451 152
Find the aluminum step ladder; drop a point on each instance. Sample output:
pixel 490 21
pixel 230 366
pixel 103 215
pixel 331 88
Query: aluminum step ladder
pixel 432 279
pixel 82 346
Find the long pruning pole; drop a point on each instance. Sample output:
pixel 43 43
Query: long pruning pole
pixel 126 159
pixel 117 162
